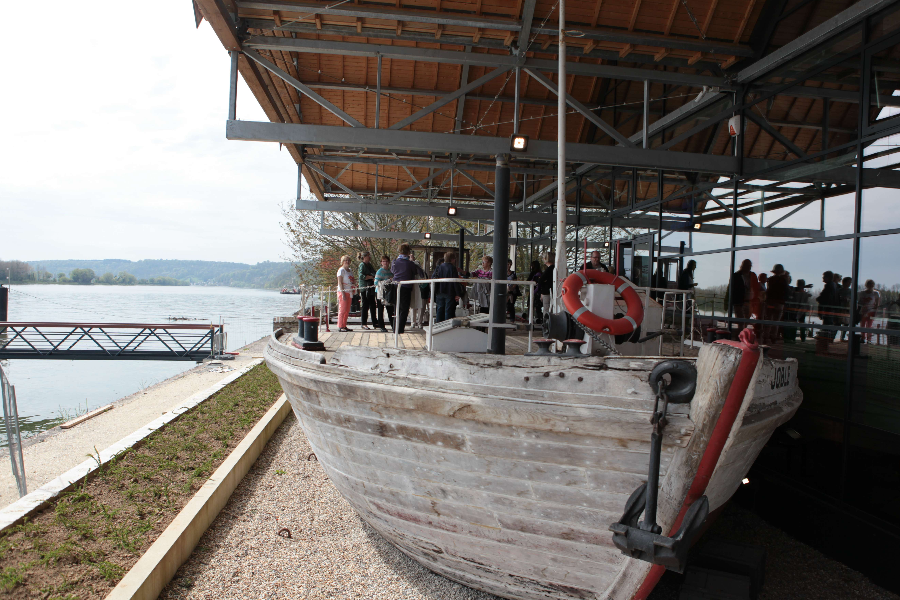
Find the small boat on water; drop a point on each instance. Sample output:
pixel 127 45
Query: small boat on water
pixel 526 476
pixel 290 290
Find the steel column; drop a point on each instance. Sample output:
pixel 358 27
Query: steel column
pixel 500 253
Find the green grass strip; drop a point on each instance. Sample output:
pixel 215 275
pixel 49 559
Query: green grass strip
pixel 82 544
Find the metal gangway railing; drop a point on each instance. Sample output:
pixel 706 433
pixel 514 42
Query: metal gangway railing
pixel 111 341
pixel 488 324
pixel 13 435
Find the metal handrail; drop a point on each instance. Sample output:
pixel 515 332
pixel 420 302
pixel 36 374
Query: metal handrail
pixel 13 435
pixel 490 324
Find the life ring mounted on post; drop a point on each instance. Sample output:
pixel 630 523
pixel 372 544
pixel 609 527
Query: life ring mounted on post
pixel 623 326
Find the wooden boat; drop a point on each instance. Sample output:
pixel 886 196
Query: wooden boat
pixel 504 473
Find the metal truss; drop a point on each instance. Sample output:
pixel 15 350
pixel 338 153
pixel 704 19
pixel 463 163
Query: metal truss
pixel 108 341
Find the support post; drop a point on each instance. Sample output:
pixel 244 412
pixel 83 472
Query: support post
pixel 232 86
pixel 378 93
pixel 560 268
pixel 462 241
pixel 646 111
pixel 516 110
pixel 501 253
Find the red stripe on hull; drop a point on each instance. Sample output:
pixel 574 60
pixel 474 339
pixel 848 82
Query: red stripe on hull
pixel 742 380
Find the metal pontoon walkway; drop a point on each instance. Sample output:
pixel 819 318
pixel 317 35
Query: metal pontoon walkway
pixel 110 341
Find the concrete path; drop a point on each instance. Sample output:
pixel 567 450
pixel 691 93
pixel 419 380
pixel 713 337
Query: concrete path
pixel 56 451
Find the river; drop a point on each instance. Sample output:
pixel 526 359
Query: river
pixel 50 391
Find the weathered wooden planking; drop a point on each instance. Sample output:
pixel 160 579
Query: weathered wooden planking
pixel 595 421
pixel 440 470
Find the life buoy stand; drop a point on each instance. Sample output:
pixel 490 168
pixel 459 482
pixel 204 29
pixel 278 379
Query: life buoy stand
pixel 627 324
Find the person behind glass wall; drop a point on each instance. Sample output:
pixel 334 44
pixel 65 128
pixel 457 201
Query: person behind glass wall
pixel 403 269
pixel 384 275
pixel 798 305
pixel 776 297
pixel 512 292
pixel 534 275
pixel 686 279
pixel 365 275
pixel 827 302
pixel 845 293
pixel 546 282
pixel 446 294
pixel 868 301
pixel 595 264
pixel 741 291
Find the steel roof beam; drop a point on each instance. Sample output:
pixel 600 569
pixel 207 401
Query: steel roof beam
pixel 450 97
pixel 582 109
pixel 286 44
pixel 296 84
pixel 323 135
pixel 393 14
pixel 827 30
pixel 651 39
pixel 526 23
pixel 349 30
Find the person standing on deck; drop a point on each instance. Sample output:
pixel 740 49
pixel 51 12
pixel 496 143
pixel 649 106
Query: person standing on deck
pixel 827 302
pixel 844 296
pixel 345 285
pixel 446 294
pixel 546 282
pixel 383 274
pixel 404 269
pixel 482 291
pixel 365 275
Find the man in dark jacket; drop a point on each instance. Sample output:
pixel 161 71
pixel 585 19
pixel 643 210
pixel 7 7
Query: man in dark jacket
pixel 741 291
pixel 446 294
pixel 545 283
pixel 828 302
pixel 776 296
pixel 404 269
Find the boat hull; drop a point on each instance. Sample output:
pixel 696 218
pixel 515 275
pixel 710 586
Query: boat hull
pixel 504 473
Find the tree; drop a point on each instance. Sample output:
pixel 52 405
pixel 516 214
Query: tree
pixel 125 278
pixel 82 276
pixel 107 279
pixel 60 276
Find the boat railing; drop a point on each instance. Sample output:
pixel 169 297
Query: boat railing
pixel 490 325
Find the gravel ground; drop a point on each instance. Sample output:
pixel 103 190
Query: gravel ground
pixel 333 554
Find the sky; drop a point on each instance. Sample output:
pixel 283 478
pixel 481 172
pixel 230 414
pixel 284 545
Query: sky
pixel 114 147
pixel 114 141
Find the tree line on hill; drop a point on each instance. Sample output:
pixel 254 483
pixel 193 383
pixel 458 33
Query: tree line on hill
pixel 265 275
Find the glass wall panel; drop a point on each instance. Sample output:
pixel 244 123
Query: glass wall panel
pixel 884 82
pixel 881 184
pixel 876 355
pixel 793 299
pixel 873 473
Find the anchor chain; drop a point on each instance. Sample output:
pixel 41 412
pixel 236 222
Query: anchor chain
pixel 612 351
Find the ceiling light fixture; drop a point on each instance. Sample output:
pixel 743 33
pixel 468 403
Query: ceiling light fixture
pixel 518 143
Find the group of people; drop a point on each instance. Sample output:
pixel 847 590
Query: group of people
pixel 772 297
pixel 377 293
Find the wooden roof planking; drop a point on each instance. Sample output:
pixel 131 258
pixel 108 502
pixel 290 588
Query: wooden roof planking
pixel 706 38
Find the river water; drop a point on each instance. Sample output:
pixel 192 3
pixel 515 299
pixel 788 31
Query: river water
pixel 50 391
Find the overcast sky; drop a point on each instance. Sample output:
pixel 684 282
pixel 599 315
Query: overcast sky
pixel 114 147
pixel 114 140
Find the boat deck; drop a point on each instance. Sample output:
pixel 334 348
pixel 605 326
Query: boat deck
pixel 414 339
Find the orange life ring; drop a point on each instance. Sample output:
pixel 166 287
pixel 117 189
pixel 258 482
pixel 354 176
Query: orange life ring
pixel 627 324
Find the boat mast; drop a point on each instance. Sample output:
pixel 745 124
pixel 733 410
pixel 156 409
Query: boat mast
pixel 560 163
